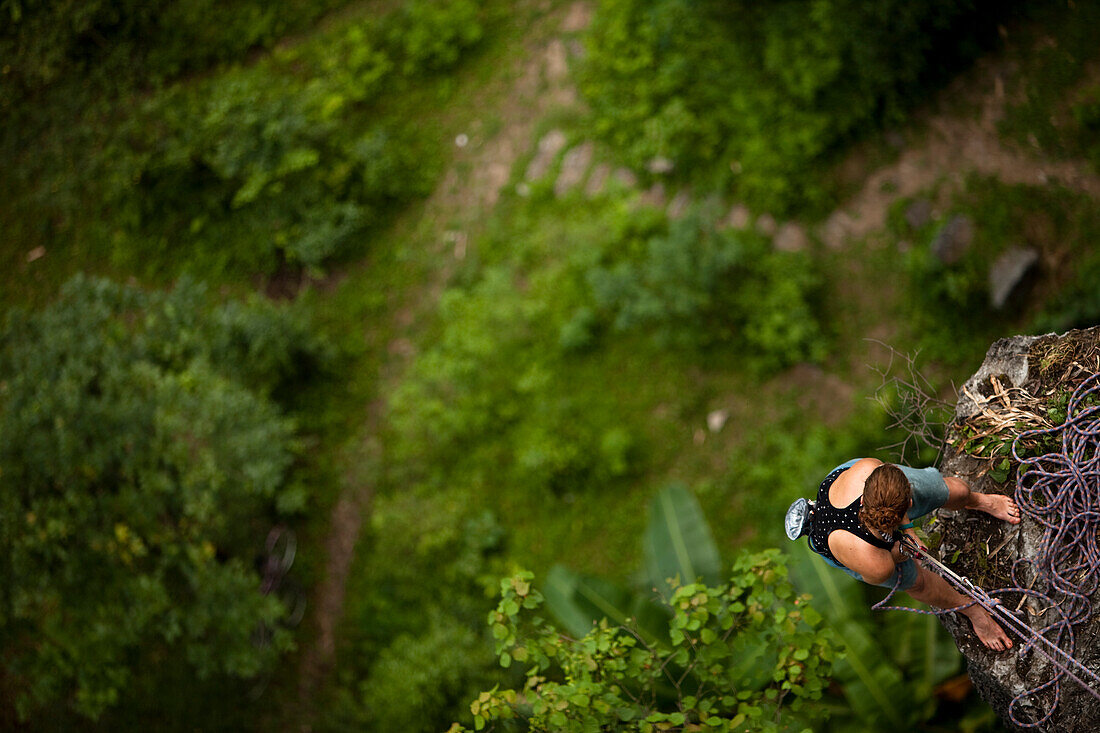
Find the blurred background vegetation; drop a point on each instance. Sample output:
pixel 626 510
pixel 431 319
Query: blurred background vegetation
pixel 444 289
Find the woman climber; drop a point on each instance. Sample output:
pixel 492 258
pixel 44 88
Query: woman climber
pixel 855 525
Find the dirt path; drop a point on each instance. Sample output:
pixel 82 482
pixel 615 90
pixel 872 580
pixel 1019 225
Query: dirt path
pixel 956 145
pixel 469 189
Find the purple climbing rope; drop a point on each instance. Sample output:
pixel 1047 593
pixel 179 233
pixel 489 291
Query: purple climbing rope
pixel 1061 492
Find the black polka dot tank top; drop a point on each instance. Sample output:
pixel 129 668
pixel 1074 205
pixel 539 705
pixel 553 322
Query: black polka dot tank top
pixel 827 519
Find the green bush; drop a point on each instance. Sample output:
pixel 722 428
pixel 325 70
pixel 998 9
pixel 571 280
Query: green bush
pixel 126 41
pixel 758 96
pixel 415 647
pixel 283 165
pixel 697 286
pixel 137 475
pixel 248 174
pixel 747 654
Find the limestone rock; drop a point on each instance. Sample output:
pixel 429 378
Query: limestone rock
pixel 679 204
pixel 1008 272
pixel 766 225
pixel 984 549
pixel 597 179
pixel 791 238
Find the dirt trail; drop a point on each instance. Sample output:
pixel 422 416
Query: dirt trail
pixel 956 145
pixel 481 166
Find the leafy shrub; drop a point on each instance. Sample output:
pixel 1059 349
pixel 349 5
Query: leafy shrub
pixel 698 286
pixel 746 653
pixel 430 36
pixel 286 164
pixel 758 96
pixel 416 648
pixel 120 41
pixel 260 167
pixel 135 469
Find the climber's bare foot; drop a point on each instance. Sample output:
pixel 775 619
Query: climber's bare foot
pixel 1001 507
pixel 989 631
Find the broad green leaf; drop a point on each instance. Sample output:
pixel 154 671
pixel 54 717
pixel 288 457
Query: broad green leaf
pixel 832 593
pixel 678 542
pixel 577 601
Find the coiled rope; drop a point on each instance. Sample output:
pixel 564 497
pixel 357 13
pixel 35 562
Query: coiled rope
pixel 1061 492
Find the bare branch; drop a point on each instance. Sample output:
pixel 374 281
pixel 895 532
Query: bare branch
pixel 910 401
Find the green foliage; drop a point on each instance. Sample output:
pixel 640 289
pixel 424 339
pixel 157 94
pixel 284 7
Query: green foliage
pixel 893 656
pixel 287 169
pixel 950 304
pixel 678 548
pixel 120 41
pixel 415 649
pixel 744 653
pixel 1053 106
pixel 695 285
pixel 420 680
pixel 281 165
pixel 678 545
pixel 543 310
pixel 135 468
pixel 759 96
pixel 429 36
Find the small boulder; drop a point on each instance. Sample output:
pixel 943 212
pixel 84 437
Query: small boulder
pixel 790 238
pixel 953 239
pixel 739 217
pixel 766 225
pixel 1008 272
pixel 573 167
pixel 548 148
pixel 918 213
pixel 660 165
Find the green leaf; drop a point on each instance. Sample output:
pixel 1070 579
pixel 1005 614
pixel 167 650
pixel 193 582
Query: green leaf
pixel 577 601
pixel 678 541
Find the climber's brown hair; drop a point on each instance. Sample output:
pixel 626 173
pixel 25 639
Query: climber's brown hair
pixel 886 497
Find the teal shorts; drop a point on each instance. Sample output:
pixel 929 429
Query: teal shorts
pixel 929 493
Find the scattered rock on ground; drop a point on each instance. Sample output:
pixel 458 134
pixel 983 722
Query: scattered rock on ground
pixel 766 225
pixel 716 420
pixel 596 180
pixel 557 61
pixel 548 148
pixel 660 165
pixel 953 239
pixel 739 217
pixel 578 17
pixel 1008 272
pixel 655 196
pixel 679 204
pixel 790 238
pixel 626 177
pixel 573 167
pixel 837 228
pixel 918 213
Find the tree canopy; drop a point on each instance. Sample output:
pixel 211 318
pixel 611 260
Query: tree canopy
pixel 140 458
